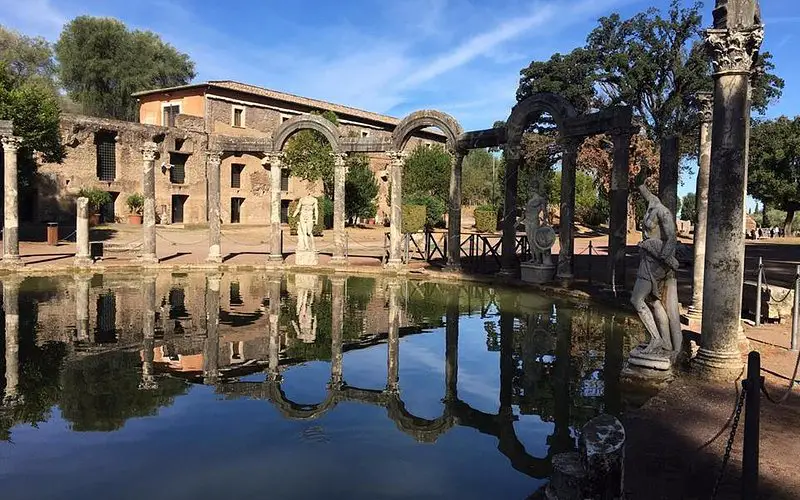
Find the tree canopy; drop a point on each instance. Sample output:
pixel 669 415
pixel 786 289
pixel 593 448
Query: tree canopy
pixel 427 172
pixel 689 207
pixel 479 171
pixel 101 63
pixel 308 155
pixel 360 187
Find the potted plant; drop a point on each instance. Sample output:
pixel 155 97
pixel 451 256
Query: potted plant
pixel 97 198
pixel 135 204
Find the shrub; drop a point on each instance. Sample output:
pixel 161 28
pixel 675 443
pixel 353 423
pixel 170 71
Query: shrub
pixel 486 219
pixel 135 203
pixel 97 198
pixel 413 218
pixel 318 227
pixel 434 209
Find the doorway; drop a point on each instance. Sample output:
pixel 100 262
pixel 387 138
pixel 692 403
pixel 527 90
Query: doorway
pixel 178 202
pixel 236 210
pixel 107 211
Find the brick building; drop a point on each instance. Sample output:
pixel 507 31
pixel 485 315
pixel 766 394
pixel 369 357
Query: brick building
pixel 184 121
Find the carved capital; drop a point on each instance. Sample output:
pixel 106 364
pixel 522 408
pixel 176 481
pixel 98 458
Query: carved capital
pixel 149 151
pixel 397 158
pixel 273 158
pixel 11 143
pixel 705 106
pixel 734 51
pixel 214 157
pixel 338 158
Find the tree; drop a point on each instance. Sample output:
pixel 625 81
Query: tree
pixel 774 170
pixel 101 63
pixel 427 172
pixel 689 208
pixel 478 176
pixel 308 155
pixel 360 187
pixel 571 76
pixel 26 58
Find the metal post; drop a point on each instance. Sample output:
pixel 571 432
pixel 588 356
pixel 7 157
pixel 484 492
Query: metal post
pixel 590 261
pixel 752 414
pixel 758 291
pixel 796 312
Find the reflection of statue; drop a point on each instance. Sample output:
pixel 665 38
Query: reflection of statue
pixel 655 294
pixel 306 330
pixel 308 208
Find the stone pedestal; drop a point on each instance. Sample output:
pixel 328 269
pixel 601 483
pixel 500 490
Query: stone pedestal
pixel 648 368
pixel 397 162
pixel 214 221
pixel 454 214
pixel 537 273
pixel 11 198
pixel 149 152
pixel 339 177
pixel 82 255
pixel 306 258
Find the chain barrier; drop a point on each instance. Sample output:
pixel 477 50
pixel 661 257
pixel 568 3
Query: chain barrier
pixel 66 239
pixel 262 243
pixel 766 285
pixel 205 238
pixel 788 392
pixel 729 445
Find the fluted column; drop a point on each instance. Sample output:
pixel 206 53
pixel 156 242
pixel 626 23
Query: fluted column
pixel 11 145
pixel 82 285
pixel 82 255
pixel 211 347
pixel 566 234
pixel 148 333
pixel 454 213
pixel 706 104
pixel 149 152
pixel 337 319
pixel 11 314
pixel 214 158
pixel 508 259
pixel 733 53
pixel 339 177
pixel 275 160
pixel 618 224
pixel 397 162
pixel 273 361
pixel 393 361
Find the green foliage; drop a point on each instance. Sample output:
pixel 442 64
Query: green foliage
pixel 569 75
pixel 478 171
pixel 308 155
pixel 360 187
pixel 434 208
pixel 135 203
pixel 413 218
pixel 26 58
pixel 590 207
pixel 97 197
pixel 101 63
pixel 325 215
pixel 427 172
pixel 485 219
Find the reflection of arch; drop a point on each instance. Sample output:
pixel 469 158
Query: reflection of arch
pixel 297 411
pixel 313 122
pixel 530 109
pixel 423 119
pixel 422 429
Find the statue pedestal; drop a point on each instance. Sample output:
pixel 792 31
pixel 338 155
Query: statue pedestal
pixel 537 273
pixel 651 367
pixel 306 258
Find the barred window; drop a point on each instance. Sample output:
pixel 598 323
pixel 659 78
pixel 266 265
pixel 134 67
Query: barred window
pixel 284 179
pixel 106 156
pixel 236 175
pixel 177 173
pixel 170 113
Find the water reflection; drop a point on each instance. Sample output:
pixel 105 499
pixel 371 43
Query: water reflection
pixel 148 340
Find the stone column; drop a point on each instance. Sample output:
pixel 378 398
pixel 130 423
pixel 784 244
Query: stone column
pixel 11 198
pixel 82 285
pixel 397 161
pixel 275 251
pixel 618 225
pixel 706 104
pixel 732 53
pixel 273 362
pixel 149 151
pixel 393 361
pixel 214 158
pixel 668 173
pixel 454 214
pixel 82 255
pixel 337 318
pixel 339 176
pixel 566 234
pixel 211 347
pixel 11 310
pixel 451 348
pixel 148 333
pixel 508 258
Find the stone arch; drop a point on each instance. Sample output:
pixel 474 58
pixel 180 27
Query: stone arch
pixel 307 121
pixel 423 119
pixel 531 108
pixel 297 411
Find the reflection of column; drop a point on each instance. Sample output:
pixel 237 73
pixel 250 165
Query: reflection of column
pixel 339 176
pixel 506 356
pixel 397 161
pixel 11 197
pixel 337 317
pixel 214 158
pixel 706 103
pixel 451 348
pixel 454 214
pixel 566 234
pixel 668 173
pixel 11 307
pixel 612 367
pixel 274 159
pixel 733 54
pixel 82 256
pixel 273 360
pixel 561 440
pixel 618 225
pixel 82 307
pixel 148 333
pixel 393 362
pixel 149 151
pixel 508 257
pixel 211 348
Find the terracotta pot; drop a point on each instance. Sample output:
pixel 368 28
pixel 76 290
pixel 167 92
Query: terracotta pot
pixel 134 219
pixel 94 219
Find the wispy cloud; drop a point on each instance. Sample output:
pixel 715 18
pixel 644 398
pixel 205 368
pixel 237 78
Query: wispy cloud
pixel 35 17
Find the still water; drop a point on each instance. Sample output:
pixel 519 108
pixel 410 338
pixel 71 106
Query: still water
pixel 295 386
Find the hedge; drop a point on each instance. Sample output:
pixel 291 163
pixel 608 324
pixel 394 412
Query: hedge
pixel 320 225
pixel 485 220
pixel 434 208
pixel 413 218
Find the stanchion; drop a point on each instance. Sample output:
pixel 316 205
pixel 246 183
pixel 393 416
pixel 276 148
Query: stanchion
pixel 796 312
pixel 760 281
pixel 752 414
pixel 591 278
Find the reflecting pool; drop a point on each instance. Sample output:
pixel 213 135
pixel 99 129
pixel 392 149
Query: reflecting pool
pixel 295 386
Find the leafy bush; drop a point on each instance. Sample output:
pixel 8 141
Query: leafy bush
pixel 434 209
pixel 135 203
pixel 486 219
pixel 319 226
pixel 413 218
pixel 97 198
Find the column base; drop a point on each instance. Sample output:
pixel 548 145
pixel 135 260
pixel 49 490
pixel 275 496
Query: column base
pixel 11 261
pixel 452 268
pixel 694 313
pixel 83 261
pixel 395 264
pixel 508 272
pixel 214 259
pixel 147 259
pixel 275 259
pixel 338 260
pixel 718 365
pixel 565 279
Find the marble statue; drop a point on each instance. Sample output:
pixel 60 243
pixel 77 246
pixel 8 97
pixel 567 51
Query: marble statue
pixel 655 294
pixel 308 211
pixel 541 237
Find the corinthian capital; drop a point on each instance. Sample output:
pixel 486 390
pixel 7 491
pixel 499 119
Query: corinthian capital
pixel 397 157
pixel 149 150
pixel 338 158
pixel 734 51
pixel 705 106
pixel 272 158
pixel 10 143
pixel 214 157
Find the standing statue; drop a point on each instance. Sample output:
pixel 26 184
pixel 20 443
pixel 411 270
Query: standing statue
pixel 655 294
pixel 541 237
pixel 308 208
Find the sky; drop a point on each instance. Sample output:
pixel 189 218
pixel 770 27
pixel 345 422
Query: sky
pixel 462 57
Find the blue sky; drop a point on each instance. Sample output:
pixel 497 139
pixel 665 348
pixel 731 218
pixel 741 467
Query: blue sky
pixel 390 56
